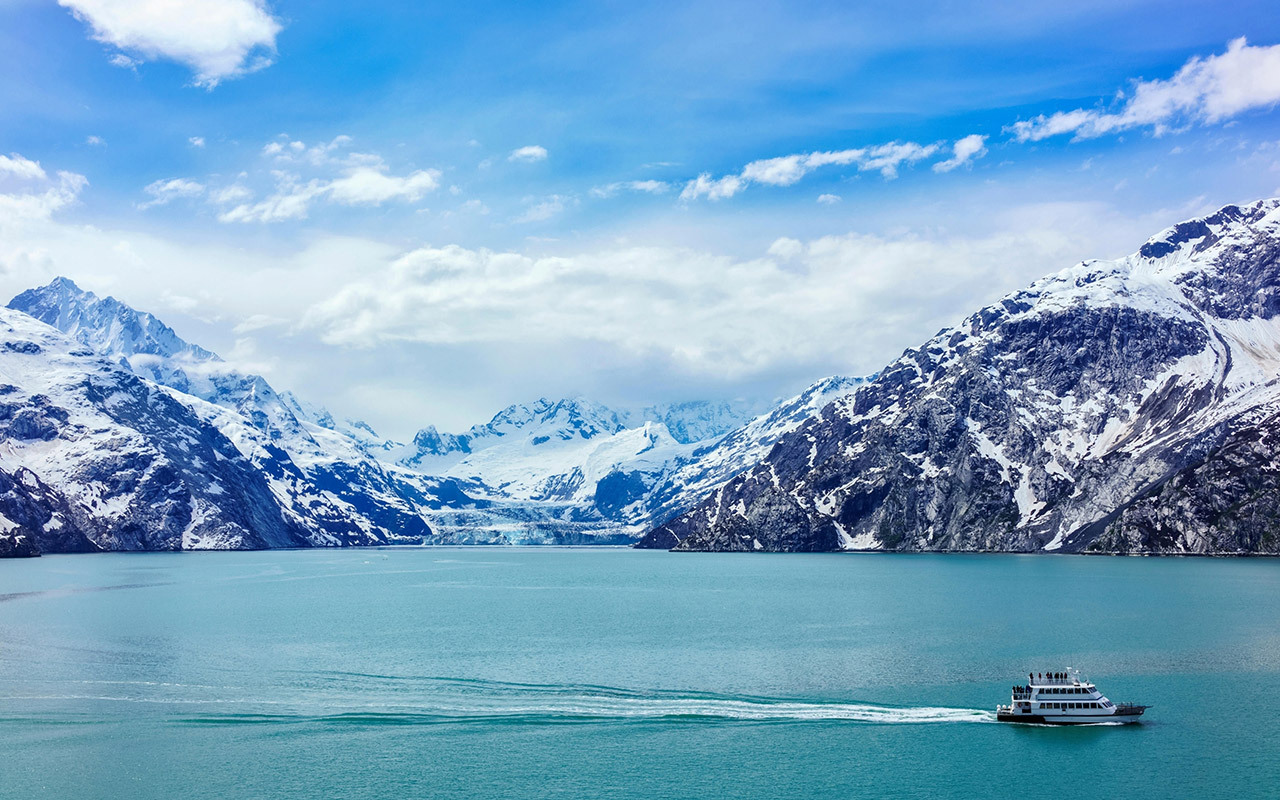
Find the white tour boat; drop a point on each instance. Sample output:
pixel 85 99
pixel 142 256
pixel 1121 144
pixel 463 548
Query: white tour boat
pixel 1063 698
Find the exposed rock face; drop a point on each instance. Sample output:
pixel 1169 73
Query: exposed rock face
pixel 1124 406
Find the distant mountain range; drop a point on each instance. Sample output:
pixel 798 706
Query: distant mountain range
pixel 1126 406
pixel 566 471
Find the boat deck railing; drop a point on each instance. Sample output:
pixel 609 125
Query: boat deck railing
pixel 1071 679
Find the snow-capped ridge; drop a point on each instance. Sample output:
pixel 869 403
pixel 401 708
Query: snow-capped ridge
pixel 1044 420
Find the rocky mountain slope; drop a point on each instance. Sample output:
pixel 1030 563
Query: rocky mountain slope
pixel 328 485
pixel 1125 406
pixel 93 457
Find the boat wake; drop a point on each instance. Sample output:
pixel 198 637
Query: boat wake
pixel 356 699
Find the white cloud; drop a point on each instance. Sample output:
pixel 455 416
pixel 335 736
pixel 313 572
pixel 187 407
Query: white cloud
pixel 786 248
pixel 291 151
pixel 829 199
pixel 528 154
pixel 358 186
pixel 196 141
pixel 369 186
pixel 217 39
pixel 886 159
pixel 15 166
pixel 711 188
pixel 646 186
pixel 707 313
pixel 543 210
pixel 1204 90
pixel 291 200
pixel 257 322
pixel 95 141
pixel 234 193
pixel 27 192
pixel 361 179
pixel 166 191
pixel 963 152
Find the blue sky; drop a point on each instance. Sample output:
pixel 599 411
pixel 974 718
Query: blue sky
pixel 418 212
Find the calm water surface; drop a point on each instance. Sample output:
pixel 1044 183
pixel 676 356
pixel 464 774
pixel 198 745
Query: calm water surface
pixel 577 673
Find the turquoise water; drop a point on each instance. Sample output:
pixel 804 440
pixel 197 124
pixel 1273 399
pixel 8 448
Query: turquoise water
pixel 577 673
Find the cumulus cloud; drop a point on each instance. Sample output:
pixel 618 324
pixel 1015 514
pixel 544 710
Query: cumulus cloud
pixel 963 152
pixel 797 302
pixel 528 154
pixel 217 39
pixel 196 141
pixel 166 191
pixel 886 159
pixel 1204 90
pixel 15 166
pixel 646 187
pixel 372 186
pixel 95 141
pixel 829 199
pixel 28 192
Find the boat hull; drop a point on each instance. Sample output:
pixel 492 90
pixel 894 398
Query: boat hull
pixel 1073 719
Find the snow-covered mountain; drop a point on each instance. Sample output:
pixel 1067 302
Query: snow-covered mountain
pixel 326 481
pixel 551 471
pixel 1115 406
pixel 573 469
pixel 695 421
pixel 93 457
pixel 1120 406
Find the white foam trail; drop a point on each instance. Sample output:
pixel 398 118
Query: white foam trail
pixel 711 709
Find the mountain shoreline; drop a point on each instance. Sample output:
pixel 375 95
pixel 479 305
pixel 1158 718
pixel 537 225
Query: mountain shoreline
pixel 1115 407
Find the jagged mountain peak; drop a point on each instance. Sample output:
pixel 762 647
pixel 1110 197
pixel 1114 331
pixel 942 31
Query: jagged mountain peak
pixel 1202 232
pixel 105 324
pixel 569 417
